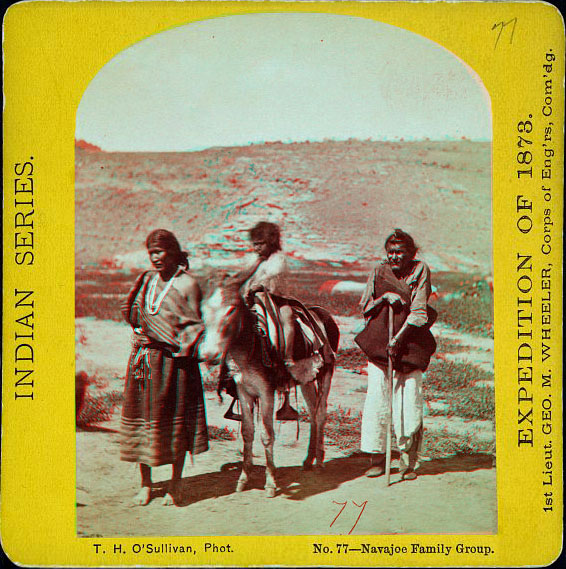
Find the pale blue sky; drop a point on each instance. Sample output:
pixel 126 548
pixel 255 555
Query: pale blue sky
pixel 290 77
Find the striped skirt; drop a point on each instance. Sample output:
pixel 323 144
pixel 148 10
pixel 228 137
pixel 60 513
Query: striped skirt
pixel 163 415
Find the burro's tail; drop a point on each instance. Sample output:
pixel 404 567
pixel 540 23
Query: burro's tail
pixel 330 326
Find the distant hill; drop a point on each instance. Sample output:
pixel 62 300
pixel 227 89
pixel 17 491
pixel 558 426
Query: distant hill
pixel 336 201
pixel 84 145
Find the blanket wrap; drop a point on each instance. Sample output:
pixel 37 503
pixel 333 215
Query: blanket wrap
pixel 419 344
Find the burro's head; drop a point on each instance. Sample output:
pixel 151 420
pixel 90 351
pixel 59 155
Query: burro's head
pixel 220 313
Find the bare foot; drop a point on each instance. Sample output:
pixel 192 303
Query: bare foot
pixel 142 498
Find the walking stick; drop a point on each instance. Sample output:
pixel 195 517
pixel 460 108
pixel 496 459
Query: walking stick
pixel 390 402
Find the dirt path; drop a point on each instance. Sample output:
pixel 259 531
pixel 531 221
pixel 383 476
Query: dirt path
pixel 455 495
pixel 451 495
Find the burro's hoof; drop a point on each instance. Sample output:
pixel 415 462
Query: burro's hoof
pixel 307 465
pixel 270 492
pixel 168 500
pixel 240 487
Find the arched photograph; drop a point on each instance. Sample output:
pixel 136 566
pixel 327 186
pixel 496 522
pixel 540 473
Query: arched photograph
pixel 284 293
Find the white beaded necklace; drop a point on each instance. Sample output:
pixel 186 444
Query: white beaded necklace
pixel 151 303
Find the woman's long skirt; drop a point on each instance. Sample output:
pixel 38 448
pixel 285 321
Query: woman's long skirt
pixel 163 416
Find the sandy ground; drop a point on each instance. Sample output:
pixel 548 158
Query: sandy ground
pixel 451 495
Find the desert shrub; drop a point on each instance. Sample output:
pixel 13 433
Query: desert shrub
pixel 454 383
pixel 221 434
pixel 308 287
pixel 446 346
pixel 99 408
pixel 342 428
pixel 469 314
pixel 100 292
pixel 449 281
pixel 476 402
pixel 351 358
pixel 439 444
pixel 448 376
pixel 338 305
pixel 104 308
pixel 341 304
pixel 465 303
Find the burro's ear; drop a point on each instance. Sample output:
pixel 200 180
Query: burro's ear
pixel 231 281
pixel 223 278
pixel 214 280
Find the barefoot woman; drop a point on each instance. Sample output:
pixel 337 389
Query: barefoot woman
pixel 163 416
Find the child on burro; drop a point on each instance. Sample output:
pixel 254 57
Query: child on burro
pixel 293 338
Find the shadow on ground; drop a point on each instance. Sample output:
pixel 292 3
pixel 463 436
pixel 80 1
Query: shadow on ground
pixel 294 483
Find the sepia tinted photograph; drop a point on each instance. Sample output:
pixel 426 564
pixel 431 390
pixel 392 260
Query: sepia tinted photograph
pixel 284 284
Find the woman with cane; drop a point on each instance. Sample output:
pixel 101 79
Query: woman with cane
pixel 397 337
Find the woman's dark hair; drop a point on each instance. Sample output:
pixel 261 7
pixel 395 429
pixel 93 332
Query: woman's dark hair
pixel 400 237
pixel 164 239
pixel 268 232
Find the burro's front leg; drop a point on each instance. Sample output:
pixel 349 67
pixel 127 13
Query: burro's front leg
pixel 268 440
pixel 247 404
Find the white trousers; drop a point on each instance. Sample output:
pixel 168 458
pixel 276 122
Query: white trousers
pixel 407 410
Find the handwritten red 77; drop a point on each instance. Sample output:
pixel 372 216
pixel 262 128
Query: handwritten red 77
pixel 343 504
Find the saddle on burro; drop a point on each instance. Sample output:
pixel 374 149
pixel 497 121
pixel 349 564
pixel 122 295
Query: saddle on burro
pixel 293 338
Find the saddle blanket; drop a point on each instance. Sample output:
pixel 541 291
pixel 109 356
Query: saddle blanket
pixel 309 329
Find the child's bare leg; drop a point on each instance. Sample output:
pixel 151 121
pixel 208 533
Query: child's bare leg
pixel 174 483
pixel 286 412
pixel 288 322
pixel 143 496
